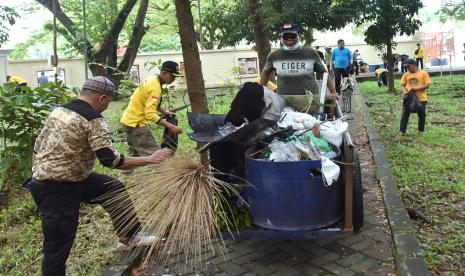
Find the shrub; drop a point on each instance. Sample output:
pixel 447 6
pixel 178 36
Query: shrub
pixel 23 112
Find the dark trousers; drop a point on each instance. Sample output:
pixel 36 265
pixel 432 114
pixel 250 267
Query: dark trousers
pixel 59 208
pixel 338 74
pixel 381 79
pixel 420 61
pixel 356 67
pixel 406 114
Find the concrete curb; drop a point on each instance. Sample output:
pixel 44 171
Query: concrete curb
pixel 408 257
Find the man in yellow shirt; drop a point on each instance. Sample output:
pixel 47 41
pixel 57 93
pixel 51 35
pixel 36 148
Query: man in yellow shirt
pixel 381 75
pixel 328 57
pixel 414 81
pixel 142 110
pixel 419 54
pixel 17 80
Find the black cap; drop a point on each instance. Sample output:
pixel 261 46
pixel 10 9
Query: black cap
pixel 410 62
pixel 288 27
pixel 171 67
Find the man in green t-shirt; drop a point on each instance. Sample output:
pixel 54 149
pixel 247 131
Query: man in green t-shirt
pixel 295 65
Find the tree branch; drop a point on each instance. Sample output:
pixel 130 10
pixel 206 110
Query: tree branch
pixel 159 8
pixel 112 35
pixel 138 32
pixel 69 26
pixel 61 15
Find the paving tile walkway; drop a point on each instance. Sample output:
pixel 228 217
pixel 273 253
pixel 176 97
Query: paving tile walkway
pixel 368 252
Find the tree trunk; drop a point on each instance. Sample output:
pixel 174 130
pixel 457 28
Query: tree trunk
pixel 308 36
pixel 190 52
pixel 138 32
pixel 261 32
pixel 390 66
pixel 211 36
pixel 192 65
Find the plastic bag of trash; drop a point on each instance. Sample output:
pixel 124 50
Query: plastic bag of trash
pixel 330 171
pixel 297 120
pixel 282 151
pixel 333 131
pixel 322 145
pixel 330 154
pixel 307 150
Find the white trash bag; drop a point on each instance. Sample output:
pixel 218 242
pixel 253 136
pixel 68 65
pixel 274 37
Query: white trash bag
pixel 333 131
pixel 283 152
pixel 298 121
pixel 330 171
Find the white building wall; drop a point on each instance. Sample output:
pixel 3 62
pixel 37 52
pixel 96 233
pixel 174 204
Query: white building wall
pixel 216 64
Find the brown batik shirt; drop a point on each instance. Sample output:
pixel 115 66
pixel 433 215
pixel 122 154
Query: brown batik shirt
pixel 73 136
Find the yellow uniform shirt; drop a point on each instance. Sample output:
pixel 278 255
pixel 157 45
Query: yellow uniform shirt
pixel 328 58
pixel 380 70
pixel 412 80
pixel 142 108
pixel 270 85
pixel 17 79
pixel 421 53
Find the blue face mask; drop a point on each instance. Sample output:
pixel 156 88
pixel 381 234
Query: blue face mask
pixel 292 48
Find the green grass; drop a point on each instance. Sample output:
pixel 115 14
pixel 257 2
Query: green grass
pixel 429 168
pixel 20 225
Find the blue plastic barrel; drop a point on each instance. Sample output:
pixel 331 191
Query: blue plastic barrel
pixel 291 196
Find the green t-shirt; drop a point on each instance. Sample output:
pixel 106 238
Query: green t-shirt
pixel 295 70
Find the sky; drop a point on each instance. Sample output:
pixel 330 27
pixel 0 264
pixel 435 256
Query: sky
pixel 28 24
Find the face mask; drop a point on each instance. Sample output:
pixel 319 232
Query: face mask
pixel 292 48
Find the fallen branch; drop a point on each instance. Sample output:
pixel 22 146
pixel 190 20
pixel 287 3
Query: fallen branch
pixel 418 215
pixel 414 213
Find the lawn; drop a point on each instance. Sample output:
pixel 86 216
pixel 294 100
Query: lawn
pixel 429 168
pixel 93 249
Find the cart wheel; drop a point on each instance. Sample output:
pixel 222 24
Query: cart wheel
pixel 357 194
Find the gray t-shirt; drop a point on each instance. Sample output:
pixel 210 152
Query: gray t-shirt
pixel 295 70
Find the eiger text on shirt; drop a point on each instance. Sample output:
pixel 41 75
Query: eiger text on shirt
pixel 295 70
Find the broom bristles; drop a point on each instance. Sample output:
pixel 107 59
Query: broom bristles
pixel 178 201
